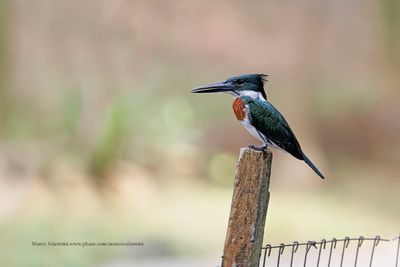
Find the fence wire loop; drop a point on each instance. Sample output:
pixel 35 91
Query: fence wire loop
pixel 308 247
pixel 334 242
pixel 346 241
pixel 345 245
pixel 360 241
pixel 359 244
pixel 323 243
pixel 281 248
pixel 376 241
pixel 295 246
pixel 268 249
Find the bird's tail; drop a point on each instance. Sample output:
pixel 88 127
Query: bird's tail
pixel 308 161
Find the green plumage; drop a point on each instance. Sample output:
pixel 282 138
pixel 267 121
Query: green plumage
pixel 270 122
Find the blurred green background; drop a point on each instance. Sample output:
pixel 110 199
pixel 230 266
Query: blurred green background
pixel 101 139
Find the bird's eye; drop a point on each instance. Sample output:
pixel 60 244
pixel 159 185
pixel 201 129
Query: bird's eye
pixel 240 81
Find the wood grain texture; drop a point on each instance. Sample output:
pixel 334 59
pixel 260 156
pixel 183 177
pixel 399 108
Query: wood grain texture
pixel 248 209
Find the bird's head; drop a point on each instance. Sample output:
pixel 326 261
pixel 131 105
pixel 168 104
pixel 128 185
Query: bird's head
pixel 246 84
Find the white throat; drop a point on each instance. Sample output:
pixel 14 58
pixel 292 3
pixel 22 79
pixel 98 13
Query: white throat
pixel 249 93
pixel 252 94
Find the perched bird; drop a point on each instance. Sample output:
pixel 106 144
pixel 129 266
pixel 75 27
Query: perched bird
pixel 259 116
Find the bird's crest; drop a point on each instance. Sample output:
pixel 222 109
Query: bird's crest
pixel 263 79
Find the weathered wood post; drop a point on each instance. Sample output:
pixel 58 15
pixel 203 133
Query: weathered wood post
pixel 249 206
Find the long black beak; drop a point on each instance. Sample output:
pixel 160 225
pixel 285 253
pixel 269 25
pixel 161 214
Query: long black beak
pixel 214 88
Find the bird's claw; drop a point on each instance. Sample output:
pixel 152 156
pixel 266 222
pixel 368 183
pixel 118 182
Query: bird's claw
pixel 262 148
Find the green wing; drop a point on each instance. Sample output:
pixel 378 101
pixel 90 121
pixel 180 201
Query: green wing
pixel 270 122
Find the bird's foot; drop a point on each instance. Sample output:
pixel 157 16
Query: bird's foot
pixel 261 148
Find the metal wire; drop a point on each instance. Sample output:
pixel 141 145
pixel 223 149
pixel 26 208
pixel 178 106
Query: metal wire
pixel 294 250
pixel 321 246
pixel 267 252
pixel 281 249
pixel 308 247
pixel 376 242
pixel 265 256
pixel 333 244
pixel 398 249
pixel 360 241
pixel 345 245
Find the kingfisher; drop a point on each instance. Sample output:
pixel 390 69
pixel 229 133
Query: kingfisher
pixel 260 118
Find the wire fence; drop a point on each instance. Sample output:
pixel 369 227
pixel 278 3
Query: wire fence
pixel 354 252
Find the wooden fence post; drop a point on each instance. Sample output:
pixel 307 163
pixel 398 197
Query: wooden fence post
pixel 249 206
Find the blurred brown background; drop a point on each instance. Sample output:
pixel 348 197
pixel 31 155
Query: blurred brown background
pixel 101 139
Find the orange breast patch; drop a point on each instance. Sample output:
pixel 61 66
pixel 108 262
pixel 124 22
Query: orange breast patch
pixel 238 108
